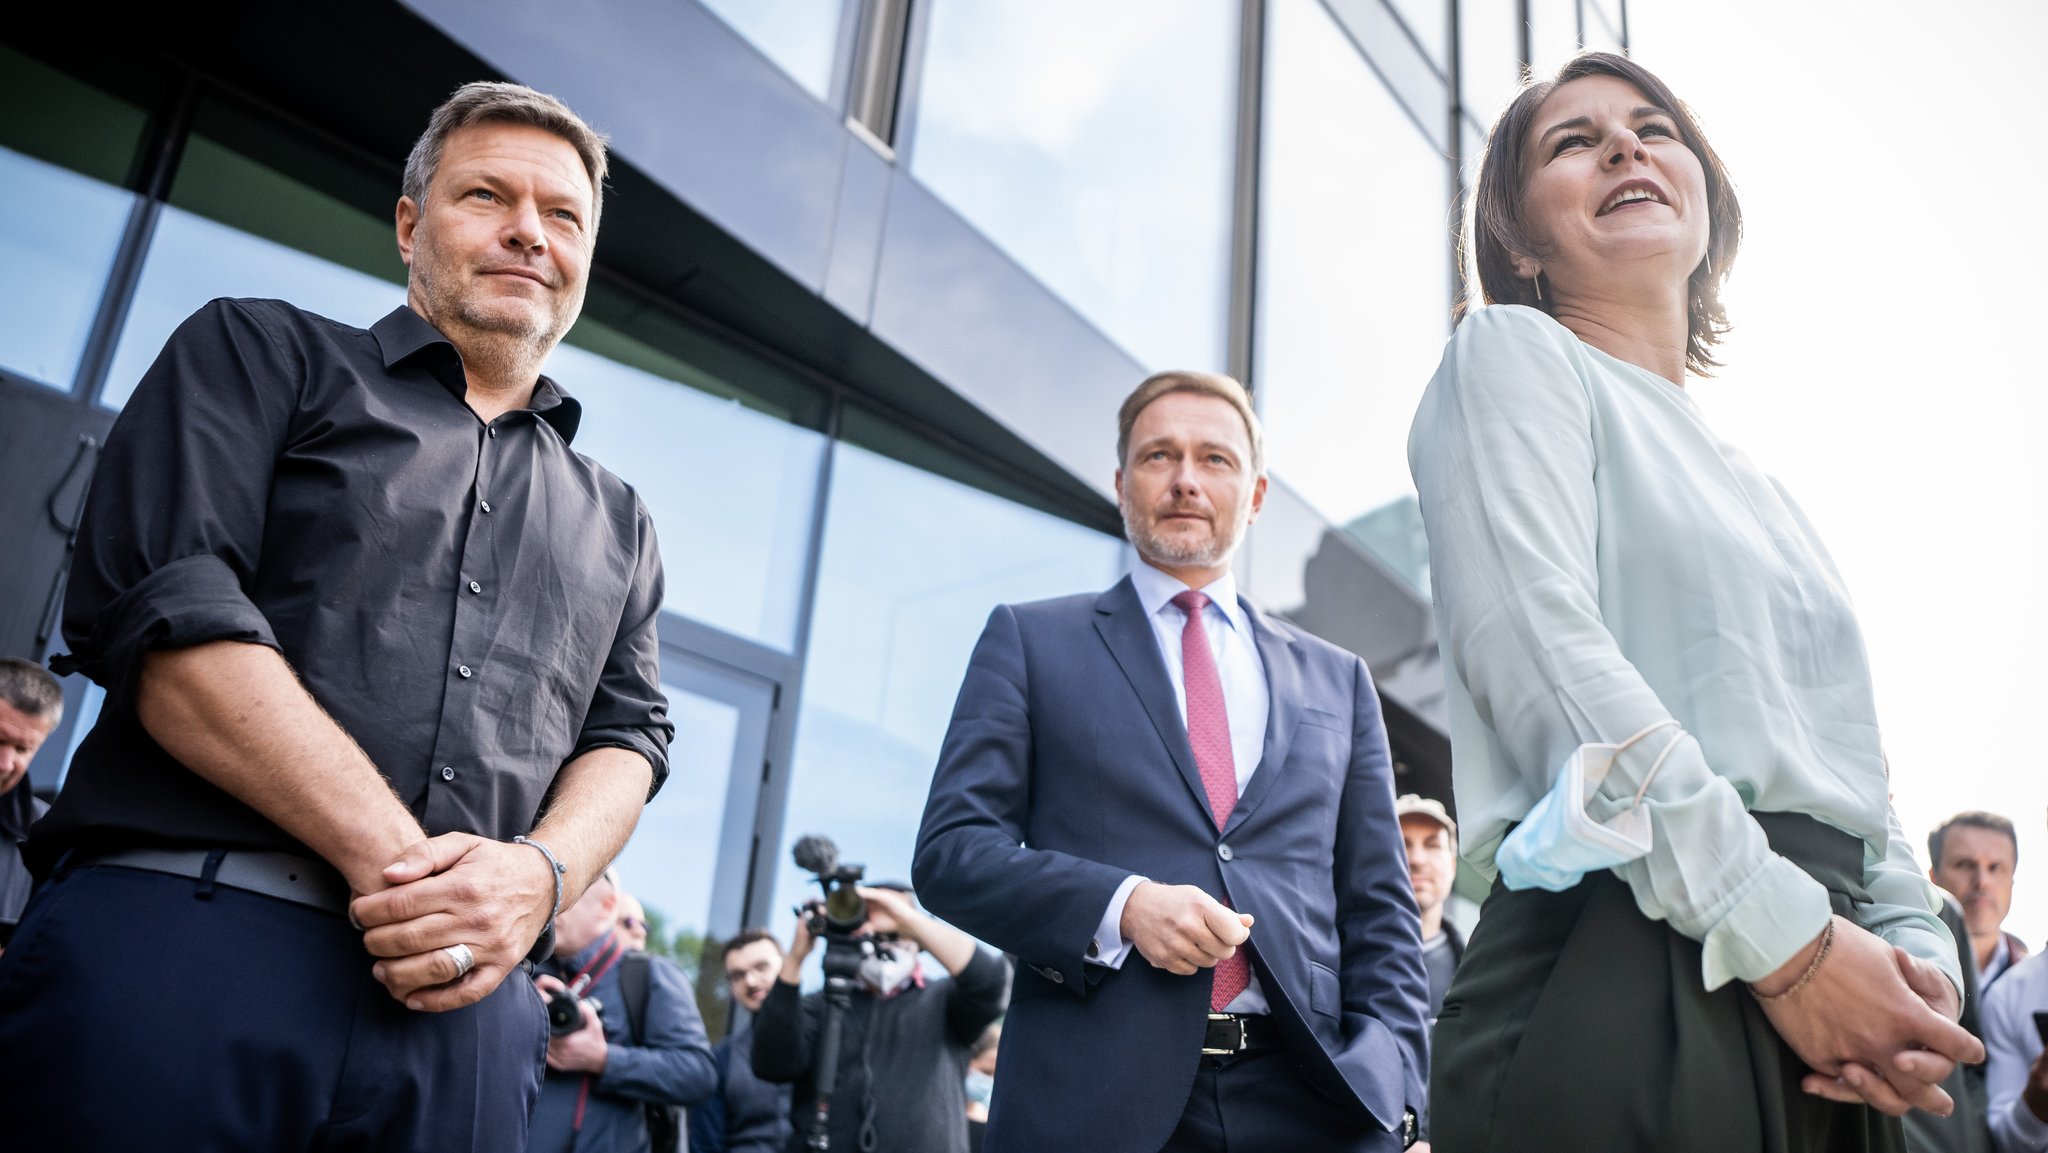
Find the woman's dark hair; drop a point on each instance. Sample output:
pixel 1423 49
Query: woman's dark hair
pixel 1493 230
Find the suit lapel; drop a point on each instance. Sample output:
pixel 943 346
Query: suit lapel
pixel 1283 683
pixel 1120 618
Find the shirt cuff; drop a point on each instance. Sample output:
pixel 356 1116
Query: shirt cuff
pixel 1776 913
pixel 1109 948
pixel 2031 1131
pixel 187 602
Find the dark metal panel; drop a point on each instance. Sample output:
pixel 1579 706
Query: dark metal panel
pixel 948 299
pixel 688 101
pixel 45 465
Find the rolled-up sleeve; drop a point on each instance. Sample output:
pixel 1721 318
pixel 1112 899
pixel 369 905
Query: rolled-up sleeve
pixel 174 525
pixel 1504 461
pixel 629 710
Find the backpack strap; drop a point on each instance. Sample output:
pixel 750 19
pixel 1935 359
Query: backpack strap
pixel 633 991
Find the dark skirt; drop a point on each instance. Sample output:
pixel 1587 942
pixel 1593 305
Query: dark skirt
pixel 1577 1024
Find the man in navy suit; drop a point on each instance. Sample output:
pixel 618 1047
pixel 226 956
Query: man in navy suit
pixel 1178 814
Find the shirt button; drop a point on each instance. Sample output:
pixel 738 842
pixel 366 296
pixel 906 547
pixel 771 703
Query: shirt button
pixel 487 505
pixel 493 432
pixel 1224 852
pixel 475 587
pixel 463 672
pixel 447 772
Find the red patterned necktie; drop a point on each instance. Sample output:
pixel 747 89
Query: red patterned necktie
pixel 1209 734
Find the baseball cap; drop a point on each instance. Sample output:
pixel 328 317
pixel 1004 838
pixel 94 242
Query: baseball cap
pixel 1423 806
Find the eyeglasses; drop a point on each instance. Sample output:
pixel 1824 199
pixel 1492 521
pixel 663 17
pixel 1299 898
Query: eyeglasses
pixel 633 923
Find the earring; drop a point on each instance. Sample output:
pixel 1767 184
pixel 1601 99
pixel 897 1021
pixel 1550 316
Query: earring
pixel 1537 281
pixel 1710 264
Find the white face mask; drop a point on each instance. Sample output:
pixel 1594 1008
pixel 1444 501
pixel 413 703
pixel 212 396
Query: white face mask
pixel 884 975
pixel 1559 842
pixel 980 1086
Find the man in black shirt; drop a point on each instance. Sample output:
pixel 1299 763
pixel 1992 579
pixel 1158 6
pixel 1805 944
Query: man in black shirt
pixel 902 1072
pixel 381 672
pixel 31 704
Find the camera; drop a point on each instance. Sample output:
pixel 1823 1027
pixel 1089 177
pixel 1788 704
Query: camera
pixel 564 1016
pixel 844 910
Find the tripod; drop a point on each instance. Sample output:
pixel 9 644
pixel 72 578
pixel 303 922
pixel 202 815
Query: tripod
pixel 843 955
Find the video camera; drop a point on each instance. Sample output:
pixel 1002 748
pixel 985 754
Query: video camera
pixel 837 920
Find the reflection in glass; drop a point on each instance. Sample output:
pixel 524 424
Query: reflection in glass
pixel 912 566
pixel 193 260
pixel 731 491
pixel 1354 279
pixel 800 36
pixel 674 851
pixel 1073 134
pixel 58 233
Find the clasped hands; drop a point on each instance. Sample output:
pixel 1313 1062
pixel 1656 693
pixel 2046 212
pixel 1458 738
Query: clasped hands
pixel 454 889
pixel 1180 928
pixel 1876 1024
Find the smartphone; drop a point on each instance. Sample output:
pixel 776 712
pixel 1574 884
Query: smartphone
pixel 2041 1027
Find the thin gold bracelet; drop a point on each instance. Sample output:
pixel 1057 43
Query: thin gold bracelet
pixel 1827 941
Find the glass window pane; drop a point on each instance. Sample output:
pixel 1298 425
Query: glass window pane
pixel 800 36
pixel 1490 38
pixel 1553 34
pixel 1093 143
pixel 65 149
pixel 59 231
pixel 912 566
pixel 1429 21
pixel 235 227
pixel 1354 274
pixel 731 490
pixel 674 851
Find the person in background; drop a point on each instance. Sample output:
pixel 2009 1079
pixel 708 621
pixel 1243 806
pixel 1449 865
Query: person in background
pixel 31 704
pixel 1431 840
pixel 1709 929
pixel 981 1072
pixel 901 1077
pixel 614 1081
pixel 1974 856
pixel 746 1114
pixel 632 922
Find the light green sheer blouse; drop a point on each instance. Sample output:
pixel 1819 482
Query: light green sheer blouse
pixel 1603 561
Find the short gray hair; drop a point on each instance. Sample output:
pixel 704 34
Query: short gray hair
pixel 29 687
pixel 495 102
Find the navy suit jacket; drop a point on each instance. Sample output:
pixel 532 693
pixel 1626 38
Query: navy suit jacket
pixel 1066 769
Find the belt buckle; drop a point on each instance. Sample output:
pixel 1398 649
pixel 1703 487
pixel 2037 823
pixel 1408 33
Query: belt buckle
pixel 1237 1048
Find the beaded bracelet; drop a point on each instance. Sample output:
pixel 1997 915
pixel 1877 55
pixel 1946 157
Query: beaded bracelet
pixel 558 869
pixel 1827 941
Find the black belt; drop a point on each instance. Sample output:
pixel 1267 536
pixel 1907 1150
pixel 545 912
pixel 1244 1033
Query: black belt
pixel 1233 1033
pixel 285 876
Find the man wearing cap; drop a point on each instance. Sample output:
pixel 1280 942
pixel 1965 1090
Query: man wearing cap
pixel 1431 838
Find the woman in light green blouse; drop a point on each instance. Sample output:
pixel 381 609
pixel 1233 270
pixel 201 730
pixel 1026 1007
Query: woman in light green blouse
pixel 1764 968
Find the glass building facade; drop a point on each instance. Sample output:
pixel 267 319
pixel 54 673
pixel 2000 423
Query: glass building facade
pixel 873 277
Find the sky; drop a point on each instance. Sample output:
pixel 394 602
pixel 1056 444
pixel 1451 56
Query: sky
pixel 1886 156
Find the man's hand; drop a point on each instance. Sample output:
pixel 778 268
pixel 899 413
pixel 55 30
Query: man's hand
pixel 455 889
pixel 1180 928
pixel 800 946
pixel 585 1050
pixel 2036 1092
pixel 1866 1032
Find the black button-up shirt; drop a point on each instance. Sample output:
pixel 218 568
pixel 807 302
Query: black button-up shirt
pixel 475 604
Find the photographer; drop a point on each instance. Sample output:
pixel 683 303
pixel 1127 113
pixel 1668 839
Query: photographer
pixel 903 1050
pixel 633 1048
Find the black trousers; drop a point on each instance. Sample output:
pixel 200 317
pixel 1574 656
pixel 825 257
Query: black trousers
pixel 144 1011
pixel 1259 1103
pixel 1575 1023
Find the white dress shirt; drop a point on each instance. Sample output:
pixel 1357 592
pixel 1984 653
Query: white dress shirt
pixel 1246 702
pixel 1602 561
pixel 2007 1019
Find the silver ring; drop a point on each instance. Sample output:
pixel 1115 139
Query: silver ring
pixel 463 958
